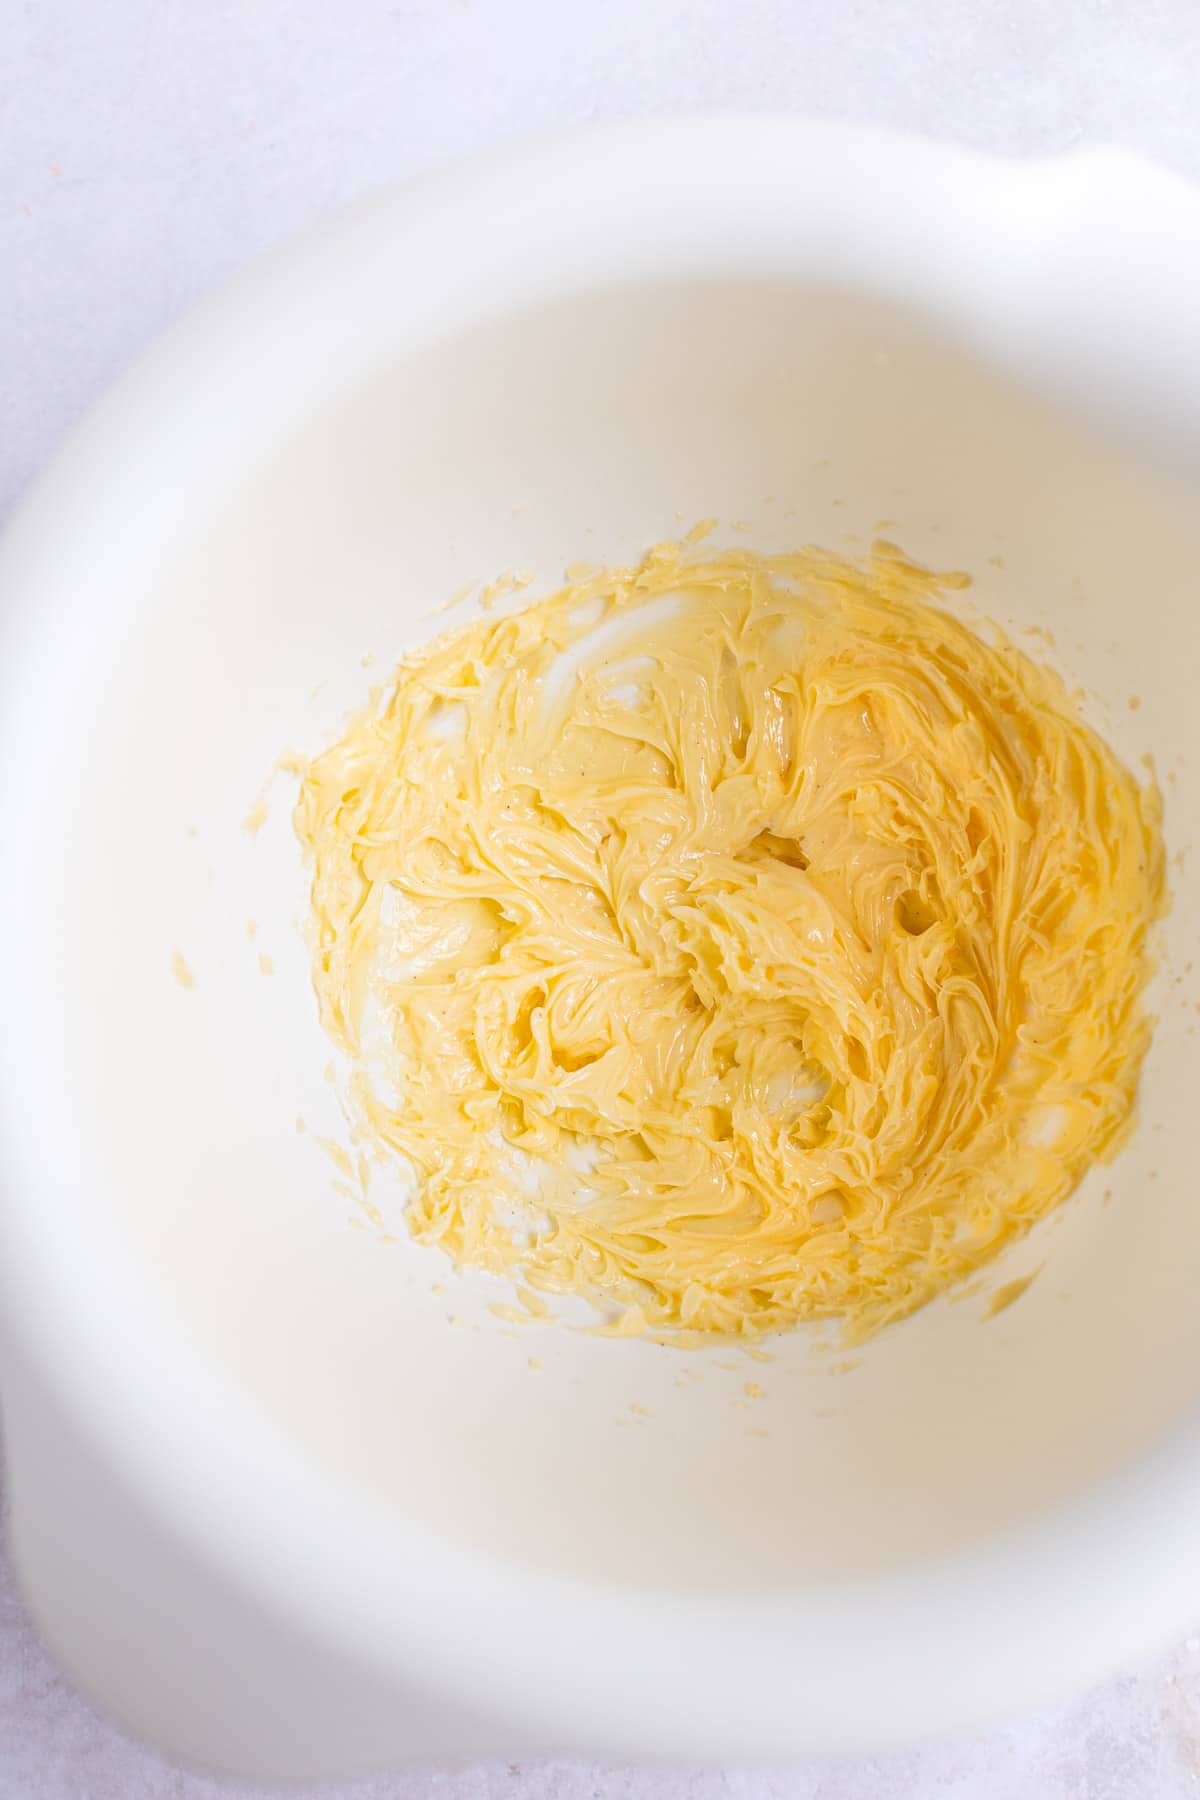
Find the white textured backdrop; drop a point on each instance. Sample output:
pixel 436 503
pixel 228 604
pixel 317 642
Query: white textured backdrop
pixel 149 147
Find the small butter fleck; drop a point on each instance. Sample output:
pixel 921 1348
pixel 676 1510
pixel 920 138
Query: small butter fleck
pixel 181 971
pixel 1005 1295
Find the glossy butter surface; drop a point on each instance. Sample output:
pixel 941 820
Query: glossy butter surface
pixel 732 940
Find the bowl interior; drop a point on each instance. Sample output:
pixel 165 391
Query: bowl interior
pixel 591 428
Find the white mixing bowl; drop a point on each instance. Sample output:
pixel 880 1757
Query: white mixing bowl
pixel 279 1502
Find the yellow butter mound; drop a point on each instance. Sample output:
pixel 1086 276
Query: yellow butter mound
pixel 733 940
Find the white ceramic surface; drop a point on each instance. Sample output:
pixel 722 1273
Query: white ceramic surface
pixel 333 1517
